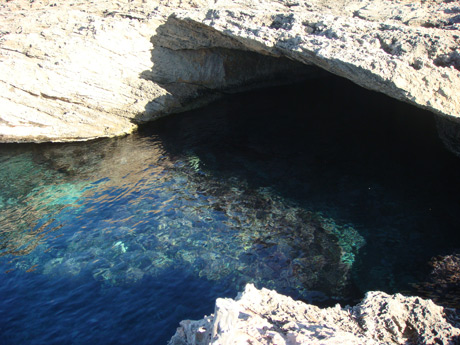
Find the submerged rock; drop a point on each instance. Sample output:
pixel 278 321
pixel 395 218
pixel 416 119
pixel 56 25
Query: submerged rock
pixel 443 285
pixel 266 317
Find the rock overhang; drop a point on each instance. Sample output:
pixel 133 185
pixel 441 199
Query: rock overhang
pixel 417 65
pixel 157 59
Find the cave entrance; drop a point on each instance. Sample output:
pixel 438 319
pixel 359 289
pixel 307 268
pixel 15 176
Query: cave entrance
pixel 370 167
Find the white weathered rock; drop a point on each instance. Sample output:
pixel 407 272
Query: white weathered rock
pixel 77 71
pixel 417 65
pixel 266 317
pixel 80 70
pixel 66 74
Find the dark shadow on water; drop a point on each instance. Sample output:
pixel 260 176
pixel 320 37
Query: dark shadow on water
pixel 356 156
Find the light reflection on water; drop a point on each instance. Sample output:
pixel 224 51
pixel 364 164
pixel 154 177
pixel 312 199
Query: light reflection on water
pixel 138 212
pixel 282 188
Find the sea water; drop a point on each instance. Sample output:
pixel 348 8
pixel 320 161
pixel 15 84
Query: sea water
pixel 320 190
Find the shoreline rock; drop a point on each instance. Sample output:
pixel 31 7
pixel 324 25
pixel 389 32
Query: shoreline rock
pixel 443 283
pixel 266 317
pixel 73 71
pixel 77 71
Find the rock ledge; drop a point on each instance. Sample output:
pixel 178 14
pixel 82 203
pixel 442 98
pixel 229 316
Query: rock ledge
pixel 82 70
pixel 266 317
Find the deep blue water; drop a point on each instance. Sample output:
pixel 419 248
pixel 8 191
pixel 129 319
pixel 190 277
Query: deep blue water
pixel 320 190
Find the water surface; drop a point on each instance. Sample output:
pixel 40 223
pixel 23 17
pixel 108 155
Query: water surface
pixel 321 190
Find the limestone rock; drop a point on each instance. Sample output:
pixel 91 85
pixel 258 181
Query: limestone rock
pixel 266 317
pixel 417 65
pixel 81 70
pixel 443 283
pixel 78 71
pixel 68 74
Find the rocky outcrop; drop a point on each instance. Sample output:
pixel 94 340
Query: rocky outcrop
pixel 419 65
pixel 266 317
pixel 443 283
pixel 76 71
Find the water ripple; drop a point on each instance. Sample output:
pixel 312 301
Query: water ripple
pixel 115 241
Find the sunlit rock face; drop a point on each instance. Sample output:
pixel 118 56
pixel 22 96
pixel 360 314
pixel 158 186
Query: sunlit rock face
pixel 266 317
pixel 73 71
pixel 77 71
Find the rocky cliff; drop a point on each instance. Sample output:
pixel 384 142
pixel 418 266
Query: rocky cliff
pixel 266 317
pixel 83 70
pixel 79 70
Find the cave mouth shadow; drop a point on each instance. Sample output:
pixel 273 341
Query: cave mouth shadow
pixel 194 72
pixel 326 144
pixel 357 156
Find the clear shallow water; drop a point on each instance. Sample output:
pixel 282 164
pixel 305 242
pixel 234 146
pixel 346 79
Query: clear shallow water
pixel 322 192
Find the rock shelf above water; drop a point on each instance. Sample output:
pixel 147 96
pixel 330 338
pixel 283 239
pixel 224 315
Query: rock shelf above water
pixel 266 317
pixel 81 70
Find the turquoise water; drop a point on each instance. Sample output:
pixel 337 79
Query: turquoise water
pixel 321 191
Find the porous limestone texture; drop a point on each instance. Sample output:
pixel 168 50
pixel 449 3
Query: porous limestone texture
pixel 415 64
pixel 265 317
pixel 78 70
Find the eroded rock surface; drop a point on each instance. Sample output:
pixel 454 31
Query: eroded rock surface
pixel 443 285
pixel 414 64
pixel 82 70
pixel 266 317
